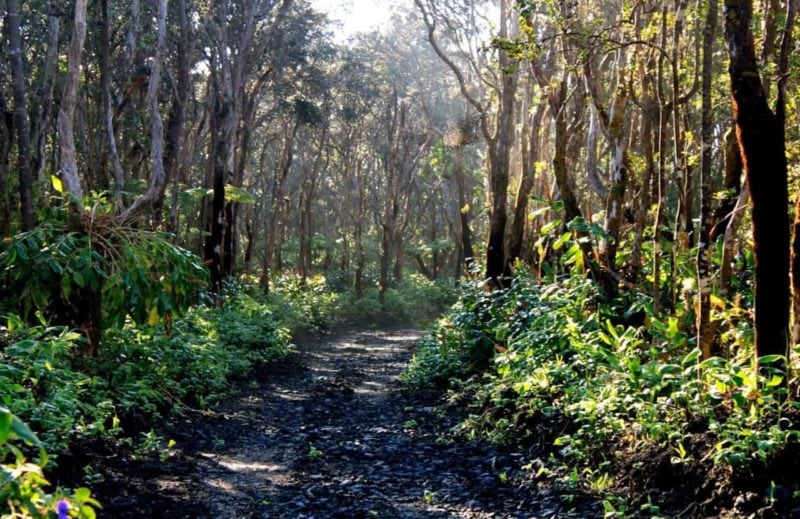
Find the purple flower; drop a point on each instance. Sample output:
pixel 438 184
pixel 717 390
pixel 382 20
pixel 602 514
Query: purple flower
pixel 62 508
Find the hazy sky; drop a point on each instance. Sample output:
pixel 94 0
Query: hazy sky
pixel 356 15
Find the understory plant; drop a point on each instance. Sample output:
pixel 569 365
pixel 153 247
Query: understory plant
pixel 23 487
pixel 588 382
pixel 143 373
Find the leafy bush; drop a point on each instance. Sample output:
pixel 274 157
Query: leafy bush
pixel 308 305
pixel 140 375
pixel 97 278
pixel 416 299
pixel 22 483
pixel 558 368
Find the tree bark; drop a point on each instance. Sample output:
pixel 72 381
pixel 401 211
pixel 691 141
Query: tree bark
pixel 6 137
pixel 499 160
pixel 760 135
pixel 732 184
pixel 530 155
pixel 66 114
pixel 107 108
pixel 729 241
pixel 41 123
pixel 21 117
pixel 468 255
pixel 705 334
pixel 157 175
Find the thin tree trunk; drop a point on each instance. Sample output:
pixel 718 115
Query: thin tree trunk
pixel 468 256
pixel 732 184
pixel 276 204
pixel 157 174
pixel 107 109
pixel 530 155
pixel 705 332
pixel 21 117
pixel 6 137
pixel 499 161
pixel 729 242
pixel 66 114
pixel 174 142
pixel 41 124
pixel 660 184
pixel 592 174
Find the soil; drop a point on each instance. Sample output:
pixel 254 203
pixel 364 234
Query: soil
pixel 329 432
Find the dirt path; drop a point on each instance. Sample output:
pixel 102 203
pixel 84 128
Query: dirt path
pixel 330 433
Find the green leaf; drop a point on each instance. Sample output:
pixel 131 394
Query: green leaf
pixel 66 287
pixel 548 227
pixel 771 359
pixel 561 240
pixel 691 357
pixel 5 424
pixel 82 494
pixel 23 432
pixel 776 380
pixel 233 194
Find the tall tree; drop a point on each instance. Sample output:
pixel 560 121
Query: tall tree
pixel 761 140
pixel 21 116
pixel 66 114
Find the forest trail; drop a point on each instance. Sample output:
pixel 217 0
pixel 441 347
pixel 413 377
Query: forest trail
pixel 330 432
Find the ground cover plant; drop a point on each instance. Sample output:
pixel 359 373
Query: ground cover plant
pixel 116 399
pixel 610 398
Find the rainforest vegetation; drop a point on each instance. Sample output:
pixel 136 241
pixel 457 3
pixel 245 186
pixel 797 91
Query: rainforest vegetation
pixel 590 206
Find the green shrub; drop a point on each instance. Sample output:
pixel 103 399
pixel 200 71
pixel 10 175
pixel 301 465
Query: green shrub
pixel 551 356
pixel 23 491
pixel 415 300
pixel 306 306
pixel 141 374
pixel 98 278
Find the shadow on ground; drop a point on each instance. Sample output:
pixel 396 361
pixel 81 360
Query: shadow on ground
pixel 329 433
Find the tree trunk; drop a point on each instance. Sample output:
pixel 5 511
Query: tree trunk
pixel 279 180
pixel 157 174
pixel 732 184
pixel 41 124
pixel 214 242
pixel 760 135
pixel 650 115
pixel 21 117
pixel 729 241
pixel 795 259
pixel 66 114
pixel 6 137
pixel 468 255
pixel 592 174
pixel 705 333
pixel 387 239
pixel 530 155
pixel 105 99
pixel 499 161
pixel 173 145
pixel 360 261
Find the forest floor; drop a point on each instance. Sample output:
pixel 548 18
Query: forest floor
pixel 329 432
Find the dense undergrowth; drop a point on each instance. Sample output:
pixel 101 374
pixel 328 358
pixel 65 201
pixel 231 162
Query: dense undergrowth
pixel 140 376
pixel 612 399
pixel 164 347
